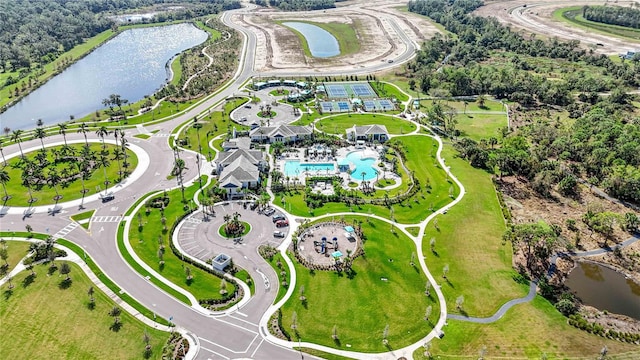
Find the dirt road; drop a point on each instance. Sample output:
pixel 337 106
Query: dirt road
pixel 536 17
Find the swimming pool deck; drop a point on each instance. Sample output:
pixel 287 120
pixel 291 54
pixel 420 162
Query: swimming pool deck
pixel 342 153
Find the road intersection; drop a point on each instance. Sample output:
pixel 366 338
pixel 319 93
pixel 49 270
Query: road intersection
pixel 240 332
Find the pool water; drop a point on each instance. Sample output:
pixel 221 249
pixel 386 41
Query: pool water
pixel 296 168
pixel 363 165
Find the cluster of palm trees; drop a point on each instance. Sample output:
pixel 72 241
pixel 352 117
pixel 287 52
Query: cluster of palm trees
pixel 61 166
pixel 232 224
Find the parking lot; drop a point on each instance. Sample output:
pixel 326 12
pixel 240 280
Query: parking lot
pixel 248 113
pixel 198 236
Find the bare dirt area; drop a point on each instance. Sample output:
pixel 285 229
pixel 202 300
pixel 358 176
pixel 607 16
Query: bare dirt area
pixel 379 26
pixel 536 17
pixel 527 206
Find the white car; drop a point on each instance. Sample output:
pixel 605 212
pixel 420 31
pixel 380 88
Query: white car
pixel 278 234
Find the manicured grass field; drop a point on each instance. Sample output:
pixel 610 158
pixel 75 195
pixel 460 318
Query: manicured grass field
pixel 385 289
pixel 83 216
pixel 145 242
pixel 16 250
pixel 525 332
pixel 420 152
pixel 41 320
pixel 480 126
pixel 176 70
pixel 470 242
pixel 20 195
pixel 388 90
pixel 338 124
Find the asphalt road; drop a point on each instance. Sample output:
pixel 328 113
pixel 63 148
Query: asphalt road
pixel 220 337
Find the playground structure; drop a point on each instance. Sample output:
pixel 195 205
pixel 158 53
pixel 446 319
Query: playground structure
pixel 328 243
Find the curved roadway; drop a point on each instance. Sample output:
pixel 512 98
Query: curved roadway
pixel 240 332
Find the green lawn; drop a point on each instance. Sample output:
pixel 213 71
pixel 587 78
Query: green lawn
pixel 525 332
pixel 145 242
pixel 20 195
pixel 480 126
pixel 388 90
pixel 41 320
pixel 472 106
pixel 214 124
pixel 244 276
pixel 361 306
pixel 410 211
pixel 338 124
pixel 176 69
pixel 470 242
pixel 16 250
pixel 283 277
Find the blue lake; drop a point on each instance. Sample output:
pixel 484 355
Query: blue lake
pixel 321 43
pixel 132 65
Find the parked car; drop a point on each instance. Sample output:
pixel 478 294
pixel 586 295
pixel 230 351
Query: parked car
pixel 269 211
pixel 278 234
pixel 254 205
pixel 278 217
pixel 247 106
pixel 282 223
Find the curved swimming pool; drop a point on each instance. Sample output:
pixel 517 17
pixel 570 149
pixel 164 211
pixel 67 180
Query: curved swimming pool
pixel 296 168
pixel 364 169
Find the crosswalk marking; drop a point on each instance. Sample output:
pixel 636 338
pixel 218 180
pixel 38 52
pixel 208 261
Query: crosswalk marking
pixel 106 219
pixel 65 230
pixel 161 135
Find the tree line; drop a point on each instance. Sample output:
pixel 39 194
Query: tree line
pixel 601 146
pixel 613 15
pixel 297 5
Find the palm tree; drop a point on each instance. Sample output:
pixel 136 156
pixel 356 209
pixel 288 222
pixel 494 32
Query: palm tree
pixel 4 179
pixel 115 313
pixel 40 134
pixel 123 145
pixel 16 137
pixel 102 132
pixel 62 130
pixel 84 128
pixel 2 153
pixel 26 181
pixel 90 292
pixel 39 123
pixel 54 179
pixel 117 155
pixel 65 269
pixel 104 162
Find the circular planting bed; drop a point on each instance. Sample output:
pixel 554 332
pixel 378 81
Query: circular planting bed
pixel 234 229
pixel 65 173
pixel 265 114
pixel 325 245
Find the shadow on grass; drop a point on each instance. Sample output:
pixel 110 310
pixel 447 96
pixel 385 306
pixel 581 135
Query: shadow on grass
pixel 91 305
pixel 52 269
pixel 337 342
pixel 65 284
pixel 28 280
pixel 463 312
pixel 449 283
pixel 7 294
pixel 435 253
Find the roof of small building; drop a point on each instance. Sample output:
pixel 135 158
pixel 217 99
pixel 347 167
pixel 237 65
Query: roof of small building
pixel 368 129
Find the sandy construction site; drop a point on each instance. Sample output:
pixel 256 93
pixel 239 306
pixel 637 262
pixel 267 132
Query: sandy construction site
pixel 383 29
pixel 537 17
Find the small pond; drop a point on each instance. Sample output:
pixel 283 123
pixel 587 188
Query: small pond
pixel 321 43
pixel 605 289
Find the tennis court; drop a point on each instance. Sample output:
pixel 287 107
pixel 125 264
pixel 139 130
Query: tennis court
pixel 379 104
pixel 346 90
pixel 335 106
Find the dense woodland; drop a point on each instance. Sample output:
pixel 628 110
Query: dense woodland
pixel 36 32
pixel 296 5
pixel 614 15
pixel 601 147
